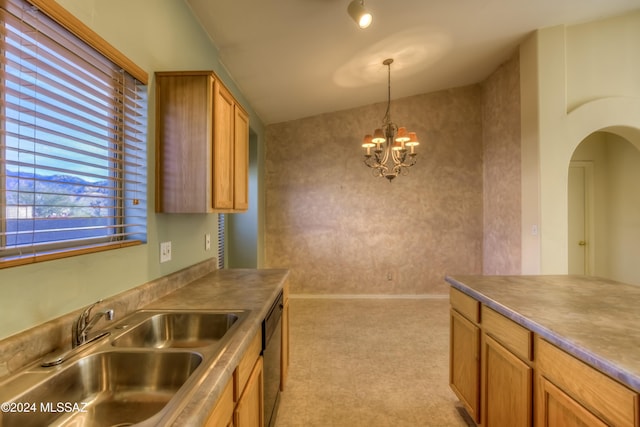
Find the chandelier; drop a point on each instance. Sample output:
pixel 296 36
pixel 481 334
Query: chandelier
pixel 393 147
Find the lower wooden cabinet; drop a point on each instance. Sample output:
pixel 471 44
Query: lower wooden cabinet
pixel 572 393
pixel 222 414
pixel 464 363
pixel 508 385
pixel 490 369
pixel 250 408
pixel 518 379
pixel 558 409
pixel 241 404
pixel 284 345
pixel 507 373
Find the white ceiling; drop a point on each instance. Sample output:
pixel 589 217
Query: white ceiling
pixel 299 58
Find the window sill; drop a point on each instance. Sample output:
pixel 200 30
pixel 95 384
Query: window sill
pixel 15 261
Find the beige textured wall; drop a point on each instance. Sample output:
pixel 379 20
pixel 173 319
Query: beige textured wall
pixel 342 231
pixel 501 139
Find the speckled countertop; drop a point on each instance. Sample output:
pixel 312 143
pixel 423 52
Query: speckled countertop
pixel 253 290
pixel 596 320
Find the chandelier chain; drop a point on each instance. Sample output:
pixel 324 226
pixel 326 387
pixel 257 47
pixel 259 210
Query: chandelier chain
pixel 387 114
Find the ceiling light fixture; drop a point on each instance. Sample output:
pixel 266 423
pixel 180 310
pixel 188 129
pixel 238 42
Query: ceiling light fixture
pixel 391 157
pixel 359 14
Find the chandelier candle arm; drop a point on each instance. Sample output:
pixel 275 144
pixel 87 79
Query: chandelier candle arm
pixel 389 157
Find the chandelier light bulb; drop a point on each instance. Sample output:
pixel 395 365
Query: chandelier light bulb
pixel 378 136
pixel 402 135
pixel 367 142
pixel 413 140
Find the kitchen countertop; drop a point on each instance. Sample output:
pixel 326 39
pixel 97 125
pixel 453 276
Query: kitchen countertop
pixel 596 320
pixel 224 289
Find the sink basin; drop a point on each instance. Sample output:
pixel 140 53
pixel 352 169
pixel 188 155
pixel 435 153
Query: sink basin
pixel 178 330
pixel 105 389
pixel 141 372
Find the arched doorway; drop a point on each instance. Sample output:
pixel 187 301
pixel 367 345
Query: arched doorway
pixel 604 207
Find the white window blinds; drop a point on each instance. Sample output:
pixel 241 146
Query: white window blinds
pixel 72 142
pixel 221 240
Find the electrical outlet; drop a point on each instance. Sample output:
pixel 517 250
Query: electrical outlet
pixel 165 251
pixel 389 276
pixel 207 242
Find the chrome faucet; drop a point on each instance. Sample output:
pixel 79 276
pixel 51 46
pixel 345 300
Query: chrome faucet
pixel 84 323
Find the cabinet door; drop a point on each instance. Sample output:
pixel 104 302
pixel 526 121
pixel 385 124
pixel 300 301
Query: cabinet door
pixel 250 408
pixel 557 409
pixel 284 346
pixel 508 387
pixel 464 363
pixel 184 138
pixel 222 414
pixel 602 396
pixel 241 160
pixel 223 148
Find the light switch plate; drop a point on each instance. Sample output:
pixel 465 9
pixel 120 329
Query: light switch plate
pixel 207 242
pixel 165 251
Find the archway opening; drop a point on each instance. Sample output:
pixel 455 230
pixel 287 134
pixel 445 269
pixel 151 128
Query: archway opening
pixel 604 206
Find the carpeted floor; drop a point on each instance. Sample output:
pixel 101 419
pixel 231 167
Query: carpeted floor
pixel 370 363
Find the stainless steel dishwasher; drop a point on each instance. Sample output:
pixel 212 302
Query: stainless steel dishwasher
pixel 271 344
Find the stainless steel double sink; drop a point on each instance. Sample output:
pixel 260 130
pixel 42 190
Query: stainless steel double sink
pixel 139 374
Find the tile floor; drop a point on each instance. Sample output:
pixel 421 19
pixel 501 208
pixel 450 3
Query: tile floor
pixel 369 362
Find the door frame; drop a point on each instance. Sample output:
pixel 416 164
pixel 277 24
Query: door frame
pixel 589 210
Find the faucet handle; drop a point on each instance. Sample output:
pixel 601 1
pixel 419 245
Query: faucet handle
pixel 87 311
pixel 81 326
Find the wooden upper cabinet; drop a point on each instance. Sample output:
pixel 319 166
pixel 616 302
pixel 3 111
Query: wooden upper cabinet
pixel 198 139
pixel 223 161
pixel 241 160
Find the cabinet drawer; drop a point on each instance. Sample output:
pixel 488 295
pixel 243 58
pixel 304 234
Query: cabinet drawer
pixel 243 371
pixel 516 338
pixel 465 305
pixel 608 399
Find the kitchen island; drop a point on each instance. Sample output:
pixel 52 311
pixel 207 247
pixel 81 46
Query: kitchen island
pixel 572 342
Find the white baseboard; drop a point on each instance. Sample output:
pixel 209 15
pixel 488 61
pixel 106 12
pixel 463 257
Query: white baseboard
pixel 369 296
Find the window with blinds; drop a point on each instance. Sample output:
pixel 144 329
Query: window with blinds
pixel 72 142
